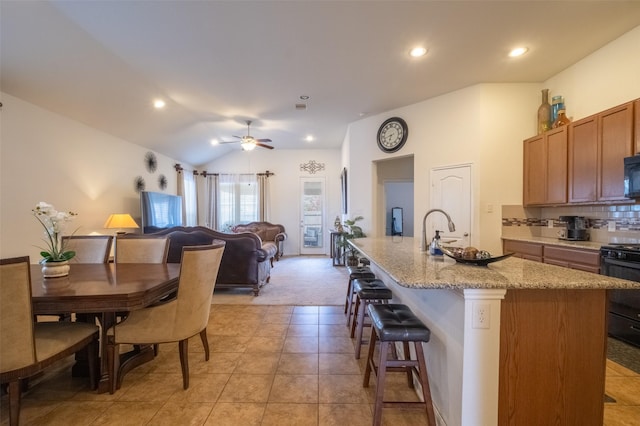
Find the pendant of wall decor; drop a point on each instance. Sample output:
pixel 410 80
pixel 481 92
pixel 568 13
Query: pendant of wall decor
pixel 162 182
pixel 150 162
pixel 138 184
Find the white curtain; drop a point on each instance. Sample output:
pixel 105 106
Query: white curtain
pixel 211 197
pixel 237 200
pixel 187 189
pixel 263 197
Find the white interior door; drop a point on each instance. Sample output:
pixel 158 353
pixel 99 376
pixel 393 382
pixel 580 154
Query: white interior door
pixel 312 216
pixel 451 192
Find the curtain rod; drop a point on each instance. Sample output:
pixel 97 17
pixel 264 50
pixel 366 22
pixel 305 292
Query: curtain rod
pixel 179 169
pixel 267 173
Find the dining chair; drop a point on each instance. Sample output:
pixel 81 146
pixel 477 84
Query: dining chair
pixel 27 347
pixel 175 321
pixel 132 248
pixel 89 248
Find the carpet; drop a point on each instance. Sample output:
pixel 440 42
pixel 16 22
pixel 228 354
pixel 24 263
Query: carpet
pixel 295 280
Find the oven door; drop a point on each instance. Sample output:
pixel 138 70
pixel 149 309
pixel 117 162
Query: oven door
pixel 620 269
pixel 624 305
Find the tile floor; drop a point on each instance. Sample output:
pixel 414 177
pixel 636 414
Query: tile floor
pixel 270 365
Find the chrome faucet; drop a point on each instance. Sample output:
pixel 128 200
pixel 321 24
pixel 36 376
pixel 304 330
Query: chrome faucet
pixel 452 227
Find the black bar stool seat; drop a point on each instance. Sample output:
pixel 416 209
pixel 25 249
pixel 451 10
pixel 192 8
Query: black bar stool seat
pixel 391 323
pixel 355 272
pixel 367 291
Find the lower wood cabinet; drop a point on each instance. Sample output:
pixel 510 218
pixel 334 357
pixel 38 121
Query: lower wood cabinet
pixel 574 258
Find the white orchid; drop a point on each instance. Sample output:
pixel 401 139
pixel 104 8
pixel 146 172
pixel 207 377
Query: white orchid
pixel 53 223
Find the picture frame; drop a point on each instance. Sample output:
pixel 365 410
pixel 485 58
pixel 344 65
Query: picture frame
pixel 343 184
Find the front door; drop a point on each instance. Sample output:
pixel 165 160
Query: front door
pixel 312 212
pixel 451 192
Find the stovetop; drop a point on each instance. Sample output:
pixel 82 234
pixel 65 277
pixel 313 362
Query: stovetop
pixel 622 247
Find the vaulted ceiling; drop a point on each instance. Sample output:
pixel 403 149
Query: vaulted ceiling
pixel 219 63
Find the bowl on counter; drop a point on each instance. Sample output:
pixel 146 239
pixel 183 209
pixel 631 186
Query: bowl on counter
pixel 472 256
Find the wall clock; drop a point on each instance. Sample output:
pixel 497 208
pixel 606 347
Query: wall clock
pixel 392 134
pixel 150 162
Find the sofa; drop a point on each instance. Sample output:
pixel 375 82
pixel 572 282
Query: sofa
pixel 244 262
pixel 272 236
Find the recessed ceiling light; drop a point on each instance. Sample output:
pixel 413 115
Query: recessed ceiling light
pixel 309 138
pixel 159 104
pixel 518 51
pixel 304 97
pixel 416 52
pixel 214 142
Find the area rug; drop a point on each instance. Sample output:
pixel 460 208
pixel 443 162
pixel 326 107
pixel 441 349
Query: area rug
pixel 295 280
pixel 624 354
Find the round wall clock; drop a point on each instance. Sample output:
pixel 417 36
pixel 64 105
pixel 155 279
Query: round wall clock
pixel 392 134
pixel 151 162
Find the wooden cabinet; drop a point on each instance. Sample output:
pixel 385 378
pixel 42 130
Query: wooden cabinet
pixel 597 146
pixel 545 168
pixel 523 249
pixel 584 260
pixel 569 257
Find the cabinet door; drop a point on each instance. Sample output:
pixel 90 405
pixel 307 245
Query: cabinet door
pixel 523 249
pixel 556 146
pixel 583 160
pixel 535 170
pixel 616 142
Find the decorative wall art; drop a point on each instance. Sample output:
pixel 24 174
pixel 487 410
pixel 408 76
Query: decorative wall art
pixel 162 182
pixel 312 167
pixel 138 184
pixel 150 162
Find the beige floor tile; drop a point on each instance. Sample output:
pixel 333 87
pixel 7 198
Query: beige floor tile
pixel 30 410
pixel 615 369
pixel 280 309
pixel 341 389
pixel 336 345
pixel 247 388
pixel 66 410
pixel 228 343
pixel 203 388
pixel 330 363
pixel 331 318
pixel 236 414
pixel 273 330
pixel 128 413
pixel 278 319
pixel 625 390
pixel 344 414
pixel 333 330
pixel 306 309
pixel 621 415
pixel 277 414
pixel 222 362
pixel 303 330
pixel 295 389
pixel 300 345
pixel 265 344
pixel 182 413
pixel 336 309
pixel 258 363
pixel 304 318
pixel 403 417
pixel 297 364
pixel 151 387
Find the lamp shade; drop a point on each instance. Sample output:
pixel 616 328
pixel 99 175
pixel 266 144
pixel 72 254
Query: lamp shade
pixel 120 220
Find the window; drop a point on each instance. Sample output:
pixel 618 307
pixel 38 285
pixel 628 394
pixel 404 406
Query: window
pixel 238 200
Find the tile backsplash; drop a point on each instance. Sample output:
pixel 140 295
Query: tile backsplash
pixel 600 221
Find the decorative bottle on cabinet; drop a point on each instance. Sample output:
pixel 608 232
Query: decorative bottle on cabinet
pixel 544 113
pixel 557 103
pixel 562 119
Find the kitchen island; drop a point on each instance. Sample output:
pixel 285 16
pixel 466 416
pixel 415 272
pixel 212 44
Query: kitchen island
pixel 515 342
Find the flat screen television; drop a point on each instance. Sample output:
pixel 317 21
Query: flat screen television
pixel 160 211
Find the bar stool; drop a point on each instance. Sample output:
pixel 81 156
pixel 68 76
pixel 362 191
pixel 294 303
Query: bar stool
pixel 393 323
pixel 355 272
pixel 367 291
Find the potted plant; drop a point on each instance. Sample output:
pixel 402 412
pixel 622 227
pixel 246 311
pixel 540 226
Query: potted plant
pixel 351 231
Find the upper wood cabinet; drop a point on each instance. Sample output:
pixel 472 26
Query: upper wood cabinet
pixel 597 146
pixel 545 168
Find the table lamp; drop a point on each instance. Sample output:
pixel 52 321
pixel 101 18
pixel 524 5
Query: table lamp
pixel 120 221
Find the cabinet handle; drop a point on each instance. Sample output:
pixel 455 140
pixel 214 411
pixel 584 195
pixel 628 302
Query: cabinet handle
pixel 634 328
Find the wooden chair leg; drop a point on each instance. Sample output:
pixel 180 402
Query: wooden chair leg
pixel 14 402
pixel 407 355
pixel 372 346
pixel 205 343
pixel 346 301
pixel 382 371
pixel 184 362
pixel 360 326
pixel 356 307
pixel 92 351
pixel 424 382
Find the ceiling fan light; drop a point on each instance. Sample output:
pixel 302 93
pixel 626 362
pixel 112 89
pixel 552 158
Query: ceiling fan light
pixel 248 146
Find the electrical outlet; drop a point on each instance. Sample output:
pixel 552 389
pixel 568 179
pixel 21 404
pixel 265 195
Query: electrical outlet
pixel 481 316
pixel 611 226
pixel 550 223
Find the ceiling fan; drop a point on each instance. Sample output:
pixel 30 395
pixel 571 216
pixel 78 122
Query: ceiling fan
pixel 248 142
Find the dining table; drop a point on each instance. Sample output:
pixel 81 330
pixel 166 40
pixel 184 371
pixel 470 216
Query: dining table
pixel 104 291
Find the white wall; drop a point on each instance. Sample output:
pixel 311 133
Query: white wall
pixel 285 184
pixel 47 157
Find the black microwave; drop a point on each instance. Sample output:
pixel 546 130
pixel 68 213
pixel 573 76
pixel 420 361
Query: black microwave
pixel 632 177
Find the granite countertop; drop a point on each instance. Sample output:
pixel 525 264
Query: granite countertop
pixel 587 245
pixel 402 259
